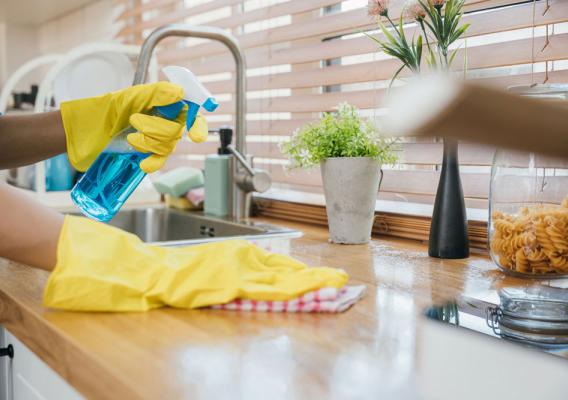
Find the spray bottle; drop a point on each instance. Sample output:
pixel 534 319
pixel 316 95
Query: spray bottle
pixel 114 175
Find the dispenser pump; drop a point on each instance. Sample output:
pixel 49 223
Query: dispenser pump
pixel 226 137
pixel 195 94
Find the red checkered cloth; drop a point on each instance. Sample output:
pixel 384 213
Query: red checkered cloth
pixel 325 300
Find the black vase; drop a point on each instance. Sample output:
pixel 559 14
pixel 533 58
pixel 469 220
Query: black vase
pixel 448 232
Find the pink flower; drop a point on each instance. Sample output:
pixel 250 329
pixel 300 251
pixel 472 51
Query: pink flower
pixel 414 10
pixel 378 8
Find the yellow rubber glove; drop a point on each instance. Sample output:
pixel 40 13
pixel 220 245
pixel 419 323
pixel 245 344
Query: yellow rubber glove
pixel 101 268
pixel 90 124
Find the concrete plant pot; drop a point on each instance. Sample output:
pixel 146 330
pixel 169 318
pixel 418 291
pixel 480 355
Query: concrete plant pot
pixel 350 185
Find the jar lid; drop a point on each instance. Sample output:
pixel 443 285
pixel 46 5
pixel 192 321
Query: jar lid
pixel 536 315
pixel 534 339
pixel 534 325
pixel 542 303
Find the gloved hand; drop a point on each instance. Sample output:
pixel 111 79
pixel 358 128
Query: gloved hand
pixel 90 124
pixel 101 268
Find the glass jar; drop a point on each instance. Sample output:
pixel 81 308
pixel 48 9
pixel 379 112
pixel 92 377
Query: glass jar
pixel 528 206
pixel 528 214
pixel 535 315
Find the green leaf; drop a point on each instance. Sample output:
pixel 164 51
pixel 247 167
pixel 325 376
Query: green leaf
pixel 432 29
pixel 457 34
pixel 401 33
pixel 446 16
pixel 453 56
pixel 374 39
pixel 392 46
pixel 395 53
pixel 432 60
pixel 455 23
pixel 386 32
pixel 419 50
pixel 438 22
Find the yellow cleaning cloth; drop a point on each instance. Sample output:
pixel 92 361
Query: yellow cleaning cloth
pixel 101 268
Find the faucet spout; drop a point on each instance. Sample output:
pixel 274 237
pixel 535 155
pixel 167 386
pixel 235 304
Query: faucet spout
pixel 239 207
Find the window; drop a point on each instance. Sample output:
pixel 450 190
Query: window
pixel 304 57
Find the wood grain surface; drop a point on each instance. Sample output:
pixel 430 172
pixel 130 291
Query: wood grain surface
pixel 170 354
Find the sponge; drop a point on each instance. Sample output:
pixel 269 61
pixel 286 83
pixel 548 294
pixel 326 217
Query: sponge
pixel 181 203
pixel 196 196
pixel 179 181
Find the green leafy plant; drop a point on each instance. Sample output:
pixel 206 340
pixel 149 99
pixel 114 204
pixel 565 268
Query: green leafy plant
pixel 439 22
pixel 443 22
pixel 343 134
pixel 410 54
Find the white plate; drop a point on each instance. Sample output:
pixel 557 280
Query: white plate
pixel 92 75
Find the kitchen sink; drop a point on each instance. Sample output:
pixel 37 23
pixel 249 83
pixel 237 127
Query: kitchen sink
pixel 169 227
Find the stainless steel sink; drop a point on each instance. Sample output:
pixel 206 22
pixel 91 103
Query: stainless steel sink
pixel 168 227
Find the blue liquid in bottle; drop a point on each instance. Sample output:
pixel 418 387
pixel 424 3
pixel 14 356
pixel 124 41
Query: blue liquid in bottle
pixel 114 175
pixel 108 183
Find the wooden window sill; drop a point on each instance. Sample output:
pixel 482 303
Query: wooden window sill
pixel 392 218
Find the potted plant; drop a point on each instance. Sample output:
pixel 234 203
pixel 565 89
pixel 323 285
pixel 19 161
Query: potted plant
pixel 439 24
pixel 350 154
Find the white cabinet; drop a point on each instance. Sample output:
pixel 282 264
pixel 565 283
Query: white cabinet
pixel 4 393
pixel 27 377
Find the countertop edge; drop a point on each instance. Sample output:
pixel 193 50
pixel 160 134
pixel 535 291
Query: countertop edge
pixel 60 352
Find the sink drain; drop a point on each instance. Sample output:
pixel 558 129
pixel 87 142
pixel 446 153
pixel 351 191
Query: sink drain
pixel 206 231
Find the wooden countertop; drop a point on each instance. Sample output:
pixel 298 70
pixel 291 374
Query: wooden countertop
pixel 170 354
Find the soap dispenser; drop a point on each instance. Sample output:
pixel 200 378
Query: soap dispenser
pixel 217 177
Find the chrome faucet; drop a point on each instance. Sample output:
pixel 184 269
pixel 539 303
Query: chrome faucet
pixel 244 178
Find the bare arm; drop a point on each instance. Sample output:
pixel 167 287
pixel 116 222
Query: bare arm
pixel 25 139
pixel 29 231
pixel 478 113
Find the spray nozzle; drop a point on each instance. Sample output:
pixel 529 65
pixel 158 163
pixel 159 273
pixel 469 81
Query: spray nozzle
pixel 195 94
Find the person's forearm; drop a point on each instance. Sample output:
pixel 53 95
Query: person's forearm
pixel 25 139
pixel 29 231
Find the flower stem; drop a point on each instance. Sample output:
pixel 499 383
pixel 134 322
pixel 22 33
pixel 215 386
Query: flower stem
pixel 393 25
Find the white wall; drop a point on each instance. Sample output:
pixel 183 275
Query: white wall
pixel 18 43
pixel 93 22
pixel 3 53
pixel 21 42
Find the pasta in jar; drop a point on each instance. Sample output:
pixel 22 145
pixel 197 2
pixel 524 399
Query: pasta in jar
pixel 533 241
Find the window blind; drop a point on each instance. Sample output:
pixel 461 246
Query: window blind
pixel 305 57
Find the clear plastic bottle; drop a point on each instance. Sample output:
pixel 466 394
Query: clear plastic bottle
pixel 114 175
